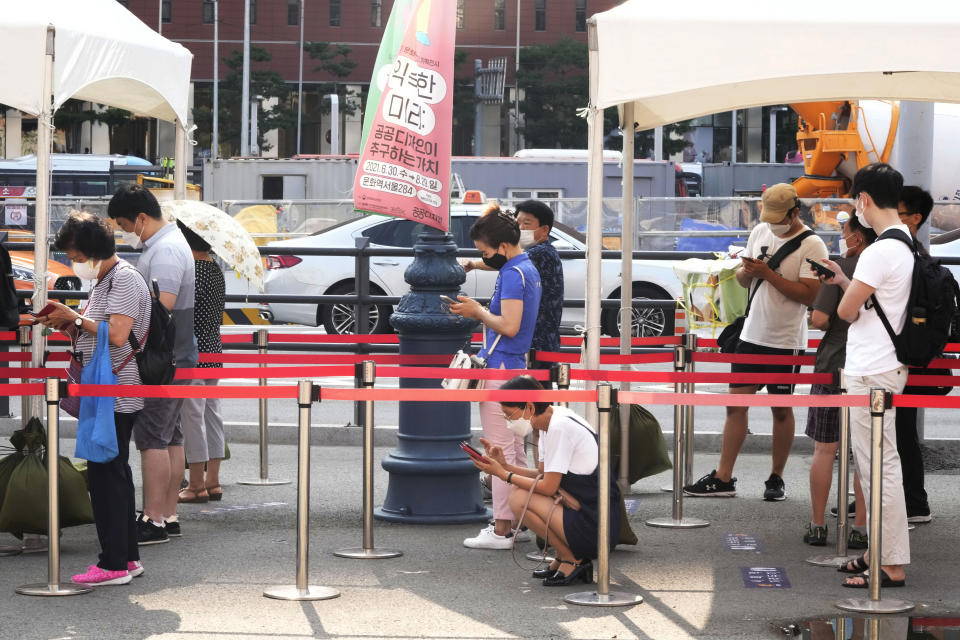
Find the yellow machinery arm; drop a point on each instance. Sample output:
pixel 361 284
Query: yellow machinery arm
pixel 828 136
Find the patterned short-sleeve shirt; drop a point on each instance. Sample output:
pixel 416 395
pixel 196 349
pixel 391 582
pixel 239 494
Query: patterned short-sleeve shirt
pixel 546 333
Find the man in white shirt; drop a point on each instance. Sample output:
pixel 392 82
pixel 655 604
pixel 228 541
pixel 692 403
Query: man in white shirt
pixel 775 325
pixel 885 270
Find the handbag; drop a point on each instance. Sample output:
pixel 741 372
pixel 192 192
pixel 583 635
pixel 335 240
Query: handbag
pixel 730 336
pixel 71 404
pixel 463 360
pixel 96 429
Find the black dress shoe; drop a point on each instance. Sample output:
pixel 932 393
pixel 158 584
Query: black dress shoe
pixel 546 572
pixel 581 572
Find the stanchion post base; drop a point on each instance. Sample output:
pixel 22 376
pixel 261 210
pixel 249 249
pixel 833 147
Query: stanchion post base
pixel 44 589
pixel 537 556
pixel 830 561
pixel 263 482
pixel 667 489
pixel 367 554
pixel 291 592
pixel 883 605
pixel 684 523
pixel 8 550
pixel 594 599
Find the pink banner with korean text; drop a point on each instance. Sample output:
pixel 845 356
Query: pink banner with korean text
pixel 404 167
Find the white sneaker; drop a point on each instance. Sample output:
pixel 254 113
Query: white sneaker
pixel 524 535
pixel 487 539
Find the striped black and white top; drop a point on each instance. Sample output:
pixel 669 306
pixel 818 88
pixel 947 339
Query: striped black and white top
pixel 122 291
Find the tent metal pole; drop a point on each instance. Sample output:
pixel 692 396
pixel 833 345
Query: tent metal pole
pixel 215 135
pixel 180 162
pixel 300 83
pixel 626 288
pixel 41 247
pixel 594 217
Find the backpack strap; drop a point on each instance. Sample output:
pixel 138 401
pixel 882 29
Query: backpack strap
pixel 892 234
pixel 785 250
pixel 523 282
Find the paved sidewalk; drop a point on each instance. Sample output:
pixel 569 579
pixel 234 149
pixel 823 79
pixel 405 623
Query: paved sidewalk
pixel 210 582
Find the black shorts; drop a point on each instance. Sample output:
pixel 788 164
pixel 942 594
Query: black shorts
pixel 749 347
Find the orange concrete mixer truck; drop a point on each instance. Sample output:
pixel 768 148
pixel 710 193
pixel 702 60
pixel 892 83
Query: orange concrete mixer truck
pixel 836 138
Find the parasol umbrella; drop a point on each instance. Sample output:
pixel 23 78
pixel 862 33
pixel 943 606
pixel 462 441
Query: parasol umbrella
pixel 226 236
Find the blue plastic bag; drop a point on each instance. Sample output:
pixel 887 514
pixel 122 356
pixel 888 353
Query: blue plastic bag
pixel 96 429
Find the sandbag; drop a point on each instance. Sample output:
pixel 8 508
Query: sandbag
pixel 648 450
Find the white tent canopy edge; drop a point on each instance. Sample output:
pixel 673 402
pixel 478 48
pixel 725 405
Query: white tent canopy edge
pixel 752 53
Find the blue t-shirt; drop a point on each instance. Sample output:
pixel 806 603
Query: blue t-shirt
pixel 511 285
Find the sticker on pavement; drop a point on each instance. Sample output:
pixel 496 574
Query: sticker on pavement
pixel 742 542
pixel 765 578
pixel 632 505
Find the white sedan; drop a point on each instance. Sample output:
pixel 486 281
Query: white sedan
pixel 334 275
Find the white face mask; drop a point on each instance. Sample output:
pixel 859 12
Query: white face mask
pixel 862 219
pixel 132 238
pixel 520 427
pixel 526 238
pixel 88 270
pixel 779 229
pixel 843 248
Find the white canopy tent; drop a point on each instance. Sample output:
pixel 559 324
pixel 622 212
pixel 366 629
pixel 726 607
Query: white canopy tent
pixel 660 65
pixel 95 50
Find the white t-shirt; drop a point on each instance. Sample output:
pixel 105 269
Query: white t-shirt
pixel 775 320
pixel 887 266
pixel 567 446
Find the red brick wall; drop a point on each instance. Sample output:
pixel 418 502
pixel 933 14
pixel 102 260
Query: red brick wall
pixel 272 32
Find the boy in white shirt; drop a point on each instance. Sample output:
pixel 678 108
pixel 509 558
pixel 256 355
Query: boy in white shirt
pixel 885 269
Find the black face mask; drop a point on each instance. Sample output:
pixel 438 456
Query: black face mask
pixel 496 261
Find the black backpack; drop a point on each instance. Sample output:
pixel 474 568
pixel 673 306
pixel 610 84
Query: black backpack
pixel 155 358
pixel 931 307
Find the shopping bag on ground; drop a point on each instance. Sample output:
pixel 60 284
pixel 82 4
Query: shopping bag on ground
pixel 96 430
pixel 648 450
pixel 24 508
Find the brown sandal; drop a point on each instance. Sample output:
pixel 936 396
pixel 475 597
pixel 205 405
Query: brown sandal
pixel 215 496
pixel 190 496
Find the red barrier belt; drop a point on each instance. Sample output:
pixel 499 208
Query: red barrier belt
pixel 15 357
pixel 373 338
pixel 637 358
pixel 461 374
pixel 8 336
pixel 662 341
pixel 32 372
pixel 178 391
pixel 703 377
pixel 752 358
pixel 238 338
pixel 23 389
pixel 744 400
pixel 927 402
pixel 346 358
pixel 454 395
pixel 265 373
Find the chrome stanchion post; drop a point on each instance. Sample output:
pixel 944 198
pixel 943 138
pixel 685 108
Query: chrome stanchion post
pixel 843 479
pixel 366 371
pixel 302 590
pixel 53 586
pixel 677 521
pixel 23 333
pixel 563 379
pixel 690 342
pixel 875 513
pixel 602 597
pixel 262 340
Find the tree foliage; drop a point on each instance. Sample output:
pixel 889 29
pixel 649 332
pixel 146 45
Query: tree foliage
pixel 71 116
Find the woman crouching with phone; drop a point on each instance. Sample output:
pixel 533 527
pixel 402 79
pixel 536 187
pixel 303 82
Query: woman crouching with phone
pixel 563 508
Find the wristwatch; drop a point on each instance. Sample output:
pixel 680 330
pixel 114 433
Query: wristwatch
pixel 78 322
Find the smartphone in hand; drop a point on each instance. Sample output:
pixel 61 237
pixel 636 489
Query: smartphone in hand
pixel 449 300
pixel 821 269
pixel 473 453
pixel 47 310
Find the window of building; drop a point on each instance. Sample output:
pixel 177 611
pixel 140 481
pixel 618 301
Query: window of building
pixel 540 15
pixel 376 13
pixel 580 20
pixel 334 13
pixel 208 11
pixel 166 11
pixel 499 15
pixel 253 11
pixel 461 19
pixel 293 12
